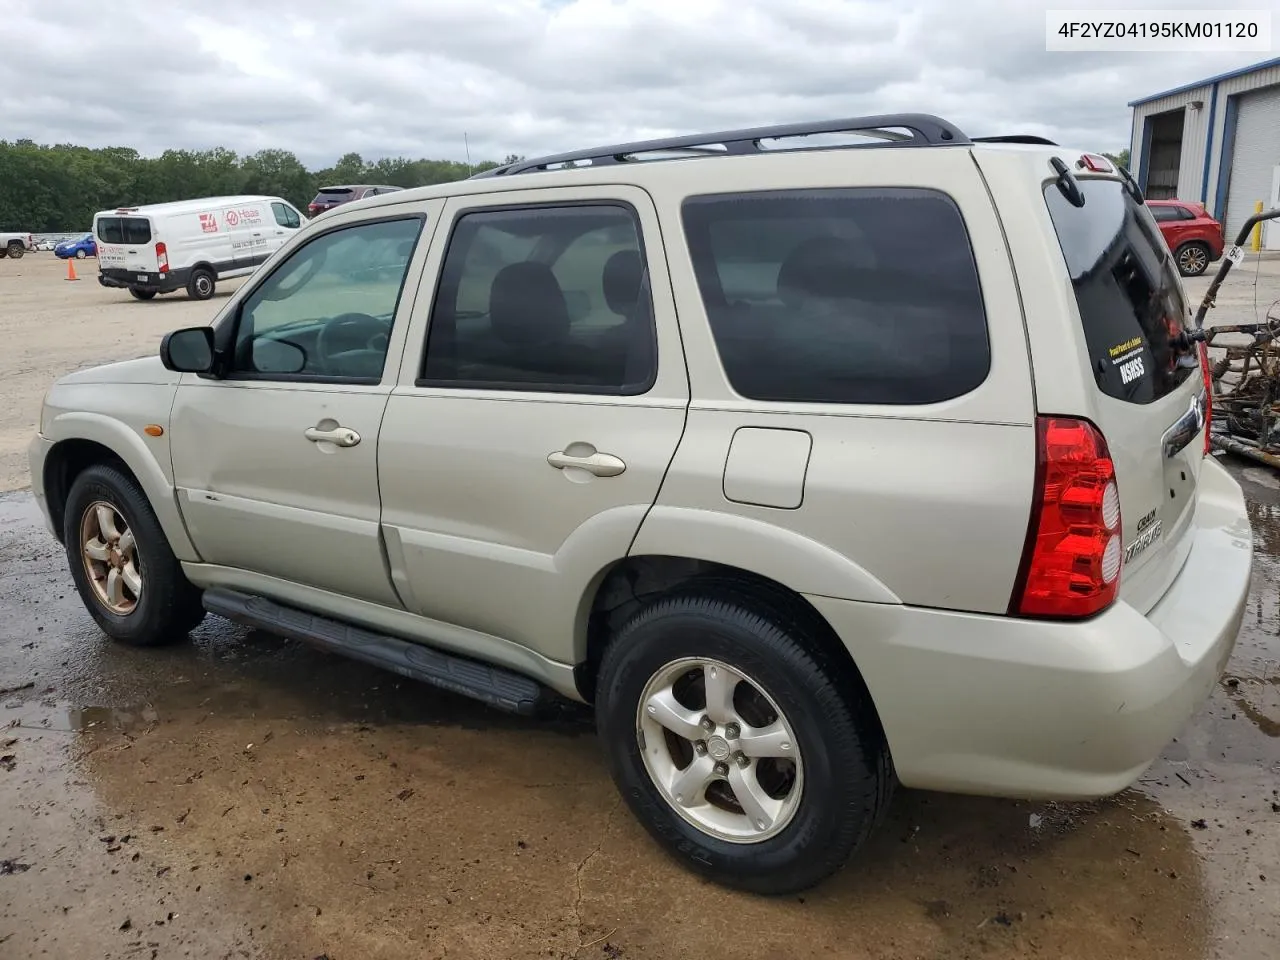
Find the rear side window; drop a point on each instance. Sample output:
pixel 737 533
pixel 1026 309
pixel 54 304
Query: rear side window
pixel 1127 290
pixel 866 295
pixel 124 230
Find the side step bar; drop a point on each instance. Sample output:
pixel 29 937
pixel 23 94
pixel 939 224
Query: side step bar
pixel 495 686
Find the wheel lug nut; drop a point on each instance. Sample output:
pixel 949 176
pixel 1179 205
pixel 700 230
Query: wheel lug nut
pixel 742 759
pixel 732 731
pixel 722 769
pixel 700 748
pixel 707 724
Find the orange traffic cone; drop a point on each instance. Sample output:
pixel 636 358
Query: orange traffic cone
pixel 71 270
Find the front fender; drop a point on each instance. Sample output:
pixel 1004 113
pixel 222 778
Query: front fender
pixel 146 457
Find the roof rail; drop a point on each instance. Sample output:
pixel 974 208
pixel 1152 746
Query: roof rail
pixel 922 130
pixel 1017 138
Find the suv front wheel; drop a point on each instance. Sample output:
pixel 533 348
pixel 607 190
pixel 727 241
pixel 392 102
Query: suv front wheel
pixel 738 751
pixel 122 564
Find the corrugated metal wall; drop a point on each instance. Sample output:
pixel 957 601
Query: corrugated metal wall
pixel 1228 90
pixel 1257 154
pixel 1195 128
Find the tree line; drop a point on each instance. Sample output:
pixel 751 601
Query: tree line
pixel 58 189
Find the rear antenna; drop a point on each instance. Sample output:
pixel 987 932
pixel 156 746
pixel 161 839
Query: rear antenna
pixel 467 147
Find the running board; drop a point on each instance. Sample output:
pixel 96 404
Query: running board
pixel 494 686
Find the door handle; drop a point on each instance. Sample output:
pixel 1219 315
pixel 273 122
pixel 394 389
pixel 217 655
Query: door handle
pixel 342 436
pixel 600 464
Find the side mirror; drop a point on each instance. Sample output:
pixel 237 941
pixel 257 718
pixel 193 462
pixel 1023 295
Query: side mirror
pixel 278 356
pixel 188 351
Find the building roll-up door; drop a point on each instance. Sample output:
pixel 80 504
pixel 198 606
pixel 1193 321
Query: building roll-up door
pixel 1256 155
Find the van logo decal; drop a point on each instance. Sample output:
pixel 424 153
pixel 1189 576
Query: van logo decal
pixel 208 223
pixel 233 218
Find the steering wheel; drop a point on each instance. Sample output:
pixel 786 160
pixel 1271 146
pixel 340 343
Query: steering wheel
pixel 352 339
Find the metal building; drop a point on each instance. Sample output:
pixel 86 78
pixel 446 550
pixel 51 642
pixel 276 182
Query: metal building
pixel 1215 142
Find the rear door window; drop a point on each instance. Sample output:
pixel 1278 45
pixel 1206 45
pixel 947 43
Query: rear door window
pixel 1127 290
pixel 858 296
pixel 124 230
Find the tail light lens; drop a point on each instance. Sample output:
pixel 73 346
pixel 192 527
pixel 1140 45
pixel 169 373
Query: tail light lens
pixel 1208 394
pixel 1071 564
pixel 162 257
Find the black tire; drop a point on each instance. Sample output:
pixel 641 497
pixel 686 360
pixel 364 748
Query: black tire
pixel 4 252
pixel 80 254
pixel 142 294
pixel 848 777
pixel 169 605
pixel 1192 258
pixel 201 285
pixel 17 251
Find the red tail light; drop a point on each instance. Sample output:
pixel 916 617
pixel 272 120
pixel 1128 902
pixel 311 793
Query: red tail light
pixel 1208 394
pixel 1071 564
pixel 312 207
pixel 162 257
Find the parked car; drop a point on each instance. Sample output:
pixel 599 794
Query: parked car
pixel 15 245
pixel 46 245
pixel 79 248
pixel 190 244
pixel 330 197
pixel 1194 237
pixel 802 506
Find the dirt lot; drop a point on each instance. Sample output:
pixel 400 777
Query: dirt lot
pixel 239 796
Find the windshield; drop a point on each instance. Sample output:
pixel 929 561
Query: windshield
pixel 1130 300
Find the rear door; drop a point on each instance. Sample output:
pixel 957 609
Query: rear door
pixel 1148 393
pixel 541 398
pixel 127 242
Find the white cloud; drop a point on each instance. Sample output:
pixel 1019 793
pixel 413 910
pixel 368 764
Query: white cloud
pixel 393 77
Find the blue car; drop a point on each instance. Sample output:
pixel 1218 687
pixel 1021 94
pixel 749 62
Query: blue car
pixel 79 248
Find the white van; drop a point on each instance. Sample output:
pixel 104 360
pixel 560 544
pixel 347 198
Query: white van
pixel 189 244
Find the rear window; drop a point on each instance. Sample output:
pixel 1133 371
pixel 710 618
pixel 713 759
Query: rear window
pixel 333 195
pixel 124 229
pixel 866 295
pixel 1127 290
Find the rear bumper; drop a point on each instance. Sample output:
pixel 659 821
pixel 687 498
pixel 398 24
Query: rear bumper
pixel 157 282
pixel 1006 707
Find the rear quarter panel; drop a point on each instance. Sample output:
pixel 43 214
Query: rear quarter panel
pixel 926 504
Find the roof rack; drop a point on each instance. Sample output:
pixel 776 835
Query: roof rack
pixel 1017 138
pixel 921 130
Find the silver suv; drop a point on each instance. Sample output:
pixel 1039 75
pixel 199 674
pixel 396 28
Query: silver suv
pixel 813 469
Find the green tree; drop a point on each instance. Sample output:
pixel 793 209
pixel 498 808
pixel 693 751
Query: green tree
pixel 58 188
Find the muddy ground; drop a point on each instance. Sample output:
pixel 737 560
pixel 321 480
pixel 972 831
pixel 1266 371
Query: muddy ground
pixel 241 796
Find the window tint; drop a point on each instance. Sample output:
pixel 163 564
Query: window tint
pixel 124 230
pixel 1127 290
pixel 334 300
pixel 333 195
pixel 1165 213
pixel 840 296
pixel 285 216
pixel 547 298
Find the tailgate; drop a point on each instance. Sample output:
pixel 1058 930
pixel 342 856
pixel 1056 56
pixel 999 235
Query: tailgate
pixel 1150 387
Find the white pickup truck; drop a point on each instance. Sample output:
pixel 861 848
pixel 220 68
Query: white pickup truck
pixel 15 245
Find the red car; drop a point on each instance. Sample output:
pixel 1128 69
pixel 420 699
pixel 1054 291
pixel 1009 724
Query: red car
pixel 1194 237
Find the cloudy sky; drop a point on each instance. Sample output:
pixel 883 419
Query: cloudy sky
pixel 399 77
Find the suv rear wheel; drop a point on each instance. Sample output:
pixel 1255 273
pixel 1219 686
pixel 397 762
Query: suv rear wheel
pixel 16 250
pixel 122 564
pixel 734 746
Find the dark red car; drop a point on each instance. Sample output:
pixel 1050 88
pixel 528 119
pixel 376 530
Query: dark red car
pixel 1194 237
pixel 330 197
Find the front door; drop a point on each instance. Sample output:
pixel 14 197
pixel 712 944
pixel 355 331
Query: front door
pixel 276 464
pixel 286 223
pixel 542 394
